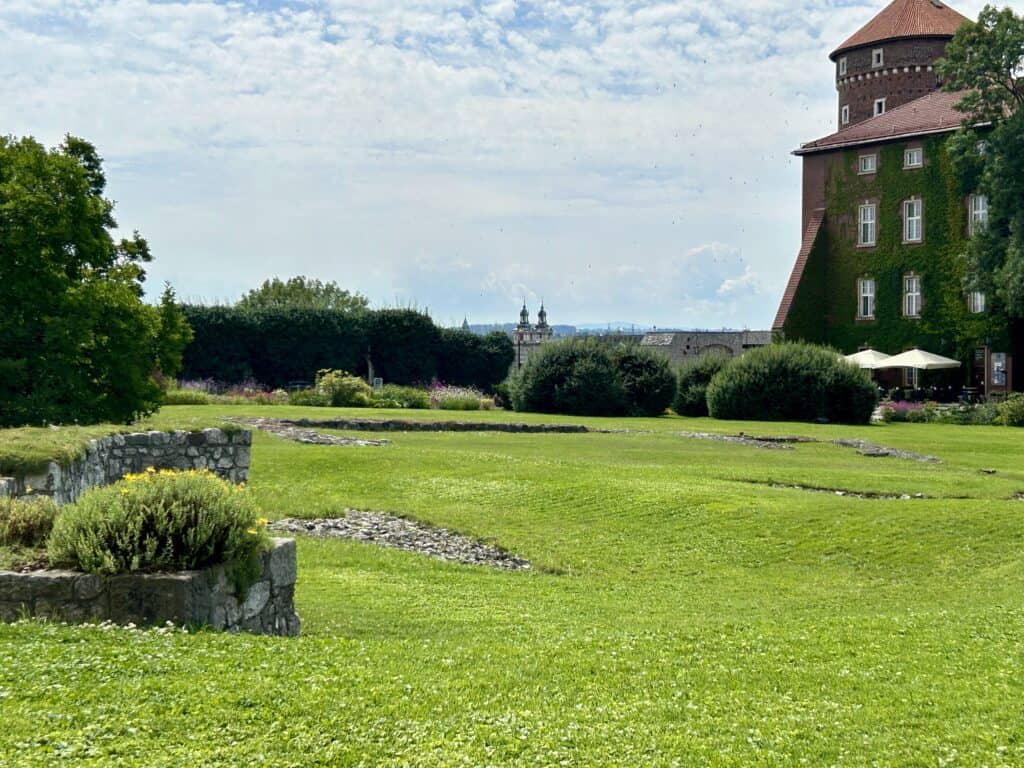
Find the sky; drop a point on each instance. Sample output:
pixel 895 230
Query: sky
pixel 626 162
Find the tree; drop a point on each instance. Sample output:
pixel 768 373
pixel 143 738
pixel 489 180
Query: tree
pixel 985 60
pixel 302 293
pixel 77 343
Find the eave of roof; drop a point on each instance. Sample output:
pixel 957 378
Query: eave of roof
pixel 932 113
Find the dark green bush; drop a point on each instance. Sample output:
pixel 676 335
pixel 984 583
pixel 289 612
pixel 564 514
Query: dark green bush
pixel 26 522
pixel 575 376
pixel 694 377
pixel 792 382
pixel 161 521
pixel 647 378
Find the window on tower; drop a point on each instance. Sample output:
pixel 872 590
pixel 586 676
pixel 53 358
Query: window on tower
pixel 846 115
pixel 842 67
pixel 879 107
pixel 878 57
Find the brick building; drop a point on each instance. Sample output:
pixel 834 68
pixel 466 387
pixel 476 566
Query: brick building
pixel 884 224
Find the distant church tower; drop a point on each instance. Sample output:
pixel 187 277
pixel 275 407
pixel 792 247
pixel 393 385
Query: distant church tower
pixel 528 337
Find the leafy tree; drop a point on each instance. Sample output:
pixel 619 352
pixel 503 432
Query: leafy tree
pixel 466 359
pixel 986 60
pixel 302 293
pixel 76 341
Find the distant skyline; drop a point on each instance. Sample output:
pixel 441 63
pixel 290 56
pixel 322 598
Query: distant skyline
pixel 617 159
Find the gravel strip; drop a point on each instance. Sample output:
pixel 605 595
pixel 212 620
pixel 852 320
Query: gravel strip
pixel 399 533
pixel 847 494
pixel 871 450
pixel 753 442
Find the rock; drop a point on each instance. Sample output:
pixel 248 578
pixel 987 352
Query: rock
pixel 409 535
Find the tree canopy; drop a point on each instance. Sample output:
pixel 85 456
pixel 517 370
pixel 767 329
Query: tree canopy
pixel 302 293
pixel 985 60
pixel 77 343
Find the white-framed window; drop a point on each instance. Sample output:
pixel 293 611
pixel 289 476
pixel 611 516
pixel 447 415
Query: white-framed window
pixel 913 215
pixel 910 378
pixel 845 119
pixel 879 107
pixel 978 219
pixel 867 224
pixel 975 302
pixel 866 298
pixel 878 57
pixel 868 164
pixel 842 67
pixel 911 296
pixel 913 158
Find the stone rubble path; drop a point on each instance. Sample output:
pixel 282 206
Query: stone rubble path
pixel 849 494
pixel 308 436
pixel 409 535
pixel 871 450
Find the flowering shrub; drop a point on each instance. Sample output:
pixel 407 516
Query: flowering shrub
pixel 162 521
pixel 901 411
pixel 342 389
pixel 449 398
pixel 1011 410
pixel 26 522
pixel 395 396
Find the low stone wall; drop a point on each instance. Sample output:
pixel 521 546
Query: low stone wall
pixel 204 597
pixel 411 425
pixel 108 459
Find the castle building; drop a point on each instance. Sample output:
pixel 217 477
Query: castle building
pixel 884 225
pixel 527 337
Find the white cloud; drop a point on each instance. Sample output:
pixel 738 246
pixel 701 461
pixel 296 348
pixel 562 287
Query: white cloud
pixel 454 154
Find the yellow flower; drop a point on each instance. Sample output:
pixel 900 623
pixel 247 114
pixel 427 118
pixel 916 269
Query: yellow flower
pixel 150 470
pixel 261 521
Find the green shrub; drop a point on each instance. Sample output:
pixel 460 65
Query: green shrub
pixel 26 522
pixel 161 521
pixel 185 397
pixel 694 377
pixel 1011 410
pixel 792 382
pixel 468 360
pixel 647 378
pixel 308 397
pixel 343 390
pixel 574 376
pixel 397 396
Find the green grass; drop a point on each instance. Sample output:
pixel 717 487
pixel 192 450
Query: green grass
pixel 682 612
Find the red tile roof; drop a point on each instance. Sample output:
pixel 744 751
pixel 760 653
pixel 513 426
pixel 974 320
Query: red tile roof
pixel 810 235
pixel 933 113
pixel 906 18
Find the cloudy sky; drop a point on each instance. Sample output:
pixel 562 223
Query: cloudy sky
pixel 626 161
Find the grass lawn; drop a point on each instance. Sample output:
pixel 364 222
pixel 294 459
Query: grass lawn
pixel 682 611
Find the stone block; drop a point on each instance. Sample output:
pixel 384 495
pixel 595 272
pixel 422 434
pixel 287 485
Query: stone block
pixel 281 563
pixel 215 436
pixel 137 439
pixel 28 587
pixel 256 599
pixel 241 438
pixel 87 586
pixel 150 598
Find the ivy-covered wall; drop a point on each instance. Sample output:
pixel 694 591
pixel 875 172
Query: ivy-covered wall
pixel 824 309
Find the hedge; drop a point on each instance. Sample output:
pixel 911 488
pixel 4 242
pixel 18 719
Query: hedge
pixel 280 347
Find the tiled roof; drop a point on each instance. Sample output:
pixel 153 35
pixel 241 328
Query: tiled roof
pixel 810 235
pixel 933 113
pixel 906 18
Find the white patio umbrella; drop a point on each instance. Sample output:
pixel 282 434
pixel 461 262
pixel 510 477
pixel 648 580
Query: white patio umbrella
pixel 867 358
pixel 919 359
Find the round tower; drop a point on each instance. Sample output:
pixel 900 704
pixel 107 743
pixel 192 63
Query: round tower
pixel 542 317
pixel 891 60
pixel 524 317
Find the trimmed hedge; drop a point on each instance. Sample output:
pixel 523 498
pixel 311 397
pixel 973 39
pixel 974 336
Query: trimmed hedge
pixel 694 377
pixel 281 347
pixel 792 382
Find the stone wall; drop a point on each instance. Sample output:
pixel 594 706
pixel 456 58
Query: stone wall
pixel 205 597
pixel 108 459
